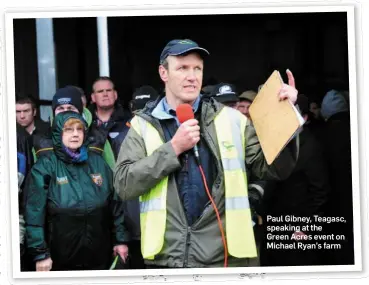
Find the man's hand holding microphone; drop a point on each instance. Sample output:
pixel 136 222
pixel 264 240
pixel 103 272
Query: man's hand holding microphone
pixel 186 137
pixel 188 133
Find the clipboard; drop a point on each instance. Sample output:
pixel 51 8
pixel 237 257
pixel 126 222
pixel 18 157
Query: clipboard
pixel 276 122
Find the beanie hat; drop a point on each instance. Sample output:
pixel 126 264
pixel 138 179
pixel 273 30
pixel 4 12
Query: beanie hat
pixel 333 102
pixel 67 95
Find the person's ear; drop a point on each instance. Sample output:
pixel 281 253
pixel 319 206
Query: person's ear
pixel 163 72
pixel 93 99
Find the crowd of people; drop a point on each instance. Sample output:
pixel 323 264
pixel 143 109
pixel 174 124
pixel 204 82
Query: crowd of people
pixel 99 183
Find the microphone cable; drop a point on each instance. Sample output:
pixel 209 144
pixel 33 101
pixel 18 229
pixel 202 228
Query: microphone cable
pixel 218 216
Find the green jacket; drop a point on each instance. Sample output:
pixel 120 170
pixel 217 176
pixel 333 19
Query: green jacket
pixel 199 245
pixel 72 212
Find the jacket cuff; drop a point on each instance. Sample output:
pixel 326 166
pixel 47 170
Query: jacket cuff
pixel 121 243
pixel 171 153
pixel 42 256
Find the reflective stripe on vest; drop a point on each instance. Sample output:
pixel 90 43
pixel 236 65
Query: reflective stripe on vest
pixel 230 128
pixel 152 204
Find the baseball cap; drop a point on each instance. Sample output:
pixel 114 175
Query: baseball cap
pixel 178 47
pixel 142 95
pixel 224 92
pixel 248 95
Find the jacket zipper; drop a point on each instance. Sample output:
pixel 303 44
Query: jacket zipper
pixel 85 220
pixel 214 155
pixel 214 198
pixel 206 208
pixel 188 243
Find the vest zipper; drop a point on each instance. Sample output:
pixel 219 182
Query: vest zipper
pixel 188 243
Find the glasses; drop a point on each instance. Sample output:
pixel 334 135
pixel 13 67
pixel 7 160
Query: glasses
pixel 69 130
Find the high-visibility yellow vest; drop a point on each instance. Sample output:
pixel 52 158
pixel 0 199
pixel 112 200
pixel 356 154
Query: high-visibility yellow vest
pixel 230 129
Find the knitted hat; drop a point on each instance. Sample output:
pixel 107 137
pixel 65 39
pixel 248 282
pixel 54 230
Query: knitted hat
pixel 68 95
pixel 333 102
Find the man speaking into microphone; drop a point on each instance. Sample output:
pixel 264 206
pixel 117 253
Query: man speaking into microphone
pixel 185 157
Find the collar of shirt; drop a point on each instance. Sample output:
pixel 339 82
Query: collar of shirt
pixel 163 111
pixel 100 123
pixel 34 128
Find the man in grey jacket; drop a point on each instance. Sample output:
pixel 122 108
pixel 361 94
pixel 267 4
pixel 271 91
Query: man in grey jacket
pixel 191 235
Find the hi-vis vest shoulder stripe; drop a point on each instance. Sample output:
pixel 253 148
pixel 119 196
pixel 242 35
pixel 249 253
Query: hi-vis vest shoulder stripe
pixel 230 128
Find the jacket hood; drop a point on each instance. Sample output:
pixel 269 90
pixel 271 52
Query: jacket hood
pixel 57 131
pixel 334 102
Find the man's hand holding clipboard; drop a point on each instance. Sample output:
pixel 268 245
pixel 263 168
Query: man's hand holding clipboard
pixel 289 91
pixel 274 116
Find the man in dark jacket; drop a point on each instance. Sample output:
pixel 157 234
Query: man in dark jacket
pixel 108 116
pixel 26 111
pixel 26 116
pixel 303 194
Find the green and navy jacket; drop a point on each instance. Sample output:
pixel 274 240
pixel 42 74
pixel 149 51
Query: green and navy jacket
pixel 72 212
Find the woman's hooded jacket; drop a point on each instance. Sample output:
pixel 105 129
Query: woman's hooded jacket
pixel 72 212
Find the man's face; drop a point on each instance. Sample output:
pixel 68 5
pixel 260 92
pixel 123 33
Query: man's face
pixel 243 107
pixel 64 108
pixel 314 108
pixel 25 114
pixel 183 78
pixel 104 94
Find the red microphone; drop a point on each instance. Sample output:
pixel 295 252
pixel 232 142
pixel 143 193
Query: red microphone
pixel 184 113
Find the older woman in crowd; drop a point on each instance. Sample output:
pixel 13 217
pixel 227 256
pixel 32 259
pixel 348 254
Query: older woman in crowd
pixel 74 219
